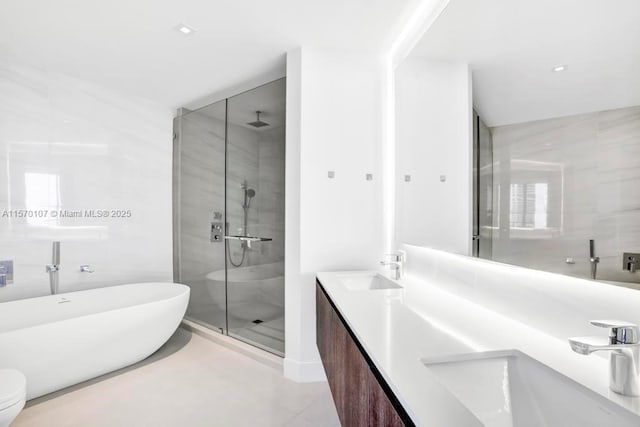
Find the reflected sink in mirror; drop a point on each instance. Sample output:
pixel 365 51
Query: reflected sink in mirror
pixel 366 281
pixel 510 389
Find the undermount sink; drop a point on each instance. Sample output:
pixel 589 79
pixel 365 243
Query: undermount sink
pixel 510 389
pixel 366 282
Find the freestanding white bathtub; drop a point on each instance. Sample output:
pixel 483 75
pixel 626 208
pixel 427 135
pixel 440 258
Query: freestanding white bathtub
pixel 60 340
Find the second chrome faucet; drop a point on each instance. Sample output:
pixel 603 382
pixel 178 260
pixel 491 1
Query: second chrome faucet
pixel 624 344
pixel 396 263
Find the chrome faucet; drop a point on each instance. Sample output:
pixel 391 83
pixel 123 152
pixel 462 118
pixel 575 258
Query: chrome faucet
pixel 396 263
pixel 53 268
pixel 593 259
pixel 86 268
pixel 624 344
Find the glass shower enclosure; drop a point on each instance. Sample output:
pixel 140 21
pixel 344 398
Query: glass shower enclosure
pixel 228 204
pixel 483 190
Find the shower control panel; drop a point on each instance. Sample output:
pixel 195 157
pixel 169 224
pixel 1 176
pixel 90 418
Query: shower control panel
pixel 216 232
pixel 6 273
pixel 630 262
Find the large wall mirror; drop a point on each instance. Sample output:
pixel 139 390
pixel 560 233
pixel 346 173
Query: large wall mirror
pixel 528 149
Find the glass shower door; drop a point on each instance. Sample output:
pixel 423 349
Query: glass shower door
pixel 255 216
pixel 482 189
pixel 199 202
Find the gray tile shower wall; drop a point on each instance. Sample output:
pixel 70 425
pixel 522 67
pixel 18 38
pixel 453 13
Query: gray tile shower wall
pixel 560 182
pixel 254 156
pixel 201 194
pixel 270 196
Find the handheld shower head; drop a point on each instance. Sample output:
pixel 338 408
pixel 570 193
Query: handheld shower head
pixel 249 193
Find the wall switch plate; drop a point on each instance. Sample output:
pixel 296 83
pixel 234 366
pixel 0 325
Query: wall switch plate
pixel 6 268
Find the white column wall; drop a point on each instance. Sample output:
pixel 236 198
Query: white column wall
pixel 333 124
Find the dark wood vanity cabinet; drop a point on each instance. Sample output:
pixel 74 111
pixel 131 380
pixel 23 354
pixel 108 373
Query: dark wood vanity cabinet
pixel 361 396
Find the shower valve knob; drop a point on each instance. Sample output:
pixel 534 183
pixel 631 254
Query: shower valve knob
pixel 216 232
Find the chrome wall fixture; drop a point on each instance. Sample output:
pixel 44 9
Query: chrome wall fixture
pixel 86 268
pixel 54 268
pixel 6 273
pixel 630 261
pixel 593 259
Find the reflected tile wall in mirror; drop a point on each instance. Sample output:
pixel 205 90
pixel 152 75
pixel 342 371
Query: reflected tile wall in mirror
pixel 559 183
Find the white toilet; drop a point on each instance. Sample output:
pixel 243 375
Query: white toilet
pixel 13 394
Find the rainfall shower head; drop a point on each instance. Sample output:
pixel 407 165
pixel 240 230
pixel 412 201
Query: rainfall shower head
pixel 258 123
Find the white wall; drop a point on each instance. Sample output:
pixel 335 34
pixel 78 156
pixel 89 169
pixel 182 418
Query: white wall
pixel 70 145
pixel 433 138
pixel 333 124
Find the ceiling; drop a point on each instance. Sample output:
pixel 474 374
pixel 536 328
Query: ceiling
pixel 512 46
pixel 133 46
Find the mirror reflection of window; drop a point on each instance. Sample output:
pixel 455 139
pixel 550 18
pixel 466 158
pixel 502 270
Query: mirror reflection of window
pixel 42 193
pixel 528 205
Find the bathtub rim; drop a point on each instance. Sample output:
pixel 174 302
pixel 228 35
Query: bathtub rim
pixel 187 290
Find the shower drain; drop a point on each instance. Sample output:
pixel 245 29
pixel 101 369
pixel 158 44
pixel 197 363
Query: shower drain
pixel 257 321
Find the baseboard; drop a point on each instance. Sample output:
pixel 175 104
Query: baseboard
pixel 304 372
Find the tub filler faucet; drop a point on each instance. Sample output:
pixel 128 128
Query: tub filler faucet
pixel 624 344
pixel 593 259
pixel 54 267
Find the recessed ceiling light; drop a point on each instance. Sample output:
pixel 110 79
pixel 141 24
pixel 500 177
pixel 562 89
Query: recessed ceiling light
pixel 559 68
pixel 185 29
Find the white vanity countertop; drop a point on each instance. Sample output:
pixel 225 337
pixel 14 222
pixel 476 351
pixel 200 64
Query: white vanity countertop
pixel 399 327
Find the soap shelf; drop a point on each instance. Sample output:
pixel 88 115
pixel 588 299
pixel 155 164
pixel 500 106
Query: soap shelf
pixel 249 238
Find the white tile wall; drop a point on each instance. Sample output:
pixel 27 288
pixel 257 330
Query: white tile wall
pixel 66 144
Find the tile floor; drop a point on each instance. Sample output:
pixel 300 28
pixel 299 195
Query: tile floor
pixel 191 381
